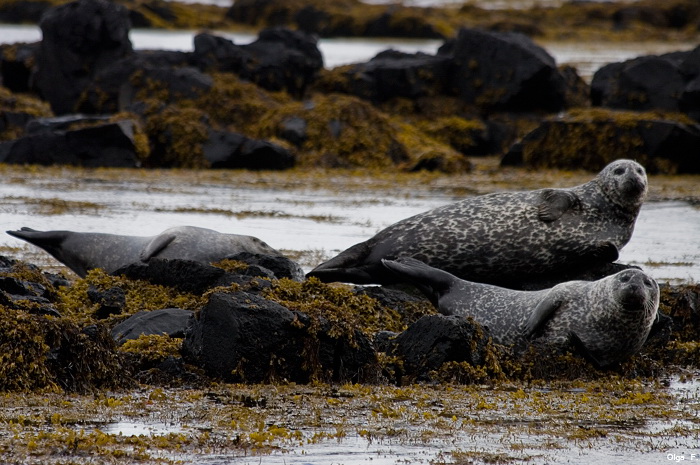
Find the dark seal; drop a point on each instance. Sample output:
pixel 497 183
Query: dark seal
pixel 502 237
pixel 82 252
pixel 608 320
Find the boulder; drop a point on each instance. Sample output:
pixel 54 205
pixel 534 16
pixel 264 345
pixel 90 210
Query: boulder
pixel 170 321
pixel 436 339
pixel 16 66
pixel 111 301
pixel 243 337
pixel 79 38
pixel 590 139
pixel 23 11
pixel 167 84
pixel 504 71
pixel 188 276
pixel 229 150
pixel 392 74
pixel 110 144
pixel 282 267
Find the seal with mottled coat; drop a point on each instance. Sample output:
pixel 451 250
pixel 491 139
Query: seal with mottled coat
pixel 608 319
pixel 505 237
pixel 82 251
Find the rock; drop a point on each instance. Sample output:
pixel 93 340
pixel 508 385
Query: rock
pixel 111 301
pixel 110 144
pixel 171 84
pixel 229 150
pixel 79 38
pixel 170 321
pixel 504 71
pixel 436 339
pixel 282 267
pixel 243 337
pixel 392 74
pixel 280 59
pixel 16 66
pixel 188 276
pixel 293 129
pixel 590 139
pixel 23 11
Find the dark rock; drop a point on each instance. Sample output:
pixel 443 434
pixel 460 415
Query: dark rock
pixel 505 71
pixel 175 84
pixel 102 145
pixel 596 138
pixel 79 38
pixel 401 22
pixel 16 66
pixel 184 275
pixel 392 74
pixel 111 301
pixel 170 321
pixel 645 83
pixel 384 340
pixel 243 337
pixel 229 150
pixel 213 52
pixel 282 267
pixel 293 129
pixel 436 339
pixel 23 11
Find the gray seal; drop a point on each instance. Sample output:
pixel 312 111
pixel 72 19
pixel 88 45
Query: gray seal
pixel 82 251
pixel 502 237
pixel 608 320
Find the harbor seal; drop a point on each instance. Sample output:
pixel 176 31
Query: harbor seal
pixel 82 251
pixel 502 237
pixel 608 320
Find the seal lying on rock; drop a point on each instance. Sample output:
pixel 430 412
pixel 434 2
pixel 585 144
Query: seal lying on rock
pixel 608 319
pixel 503 237
pixel 82 252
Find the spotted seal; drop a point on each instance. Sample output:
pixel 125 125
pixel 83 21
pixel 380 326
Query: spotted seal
pixel 608 319
pixel 82 252
pixel 502 237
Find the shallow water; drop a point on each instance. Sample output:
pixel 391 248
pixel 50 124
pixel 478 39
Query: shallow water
pixel 587 57
pixel 311 223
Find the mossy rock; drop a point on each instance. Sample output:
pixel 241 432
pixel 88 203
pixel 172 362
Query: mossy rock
pixel 592 138
pixel 16 110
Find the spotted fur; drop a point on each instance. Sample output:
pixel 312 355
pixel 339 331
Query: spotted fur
pixel 501 237
pixel 609 318
pixel 82 252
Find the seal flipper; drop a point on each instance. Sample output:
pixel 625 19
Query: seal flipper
pixel 156 246
pixel 605 252
pixel 432 282
pixel 581 349
pixel 555 203
pixel 541 314
pixel 349 266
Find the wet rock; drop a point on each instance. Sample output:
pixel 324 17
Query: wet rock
pixel 392 74
pixel 110 144
pixel 282 267
pixel 16 66
pixel 293 129
pixel 188 276
pixel 280 59
pixel 229 150
pixel 243 337
pixel 79 38
pixel 590 139
pixel 173 84
pixel 111 301
pixel 504 71
pixel 436 339
pixel 23 11
pixel 170 321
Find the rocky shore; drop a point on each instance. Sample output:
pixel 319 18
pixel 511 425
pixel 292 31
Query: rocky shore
pixel 83 96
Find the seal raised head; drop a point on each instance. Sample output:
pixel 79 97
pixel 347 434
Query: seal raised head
pixel 82 252
pixel 608 320
pixel 502 237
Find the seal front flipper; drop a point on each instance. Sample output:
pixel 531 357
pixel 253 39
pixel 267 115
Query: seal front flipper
pixel 539 316
pixel 156 246
pixel 581 349
pixel 554 203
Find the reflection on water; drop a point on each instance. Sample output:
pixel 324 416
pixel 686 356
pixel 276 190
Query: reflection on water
pixel 313 223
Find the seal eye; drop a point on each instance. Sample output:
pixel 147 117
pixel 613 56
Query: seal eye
pixel 619 171
pixel 624 279
pixel 640 171
pixel 647 283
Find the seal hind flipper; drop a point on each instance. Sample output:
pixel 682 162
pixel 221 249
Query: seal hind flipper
pixel 348 266
pixel 156 246
pixel 605 252
pixel 433 282
pixel 41 239
pixel 555 203
pixel 539 316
